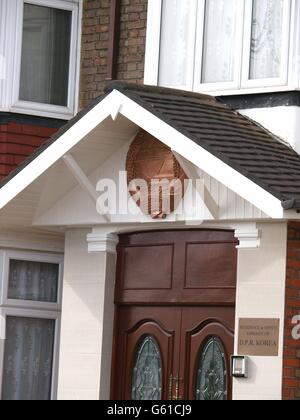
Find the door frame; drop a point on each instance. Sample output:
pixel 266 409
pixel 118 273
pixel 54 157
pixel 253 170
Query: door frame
pixel 119 305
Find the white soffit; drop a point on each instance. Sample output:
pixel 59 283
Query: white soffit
pixel 109 107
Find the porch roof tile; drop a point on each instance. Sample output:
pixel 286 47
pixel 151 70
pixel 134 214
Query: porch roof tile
pixel 238 141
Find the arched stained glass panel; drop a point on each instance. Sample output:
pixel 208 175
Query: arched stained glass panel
pixel 147 372
pixel 212 375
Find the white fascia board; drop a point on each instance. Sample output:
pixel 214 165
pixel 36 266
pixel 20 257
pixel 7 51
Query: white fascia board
pixel 58 149
pixel 194 153
pixel 201 158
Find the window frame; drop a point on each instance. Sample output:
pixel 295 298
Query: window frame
pixel 35 314
pixel 242 85
pixel 32 257
pixel 246 82
pixel 36 108
pixel 153 36
pixel 190 67
pixel 205 87
pixel 30 309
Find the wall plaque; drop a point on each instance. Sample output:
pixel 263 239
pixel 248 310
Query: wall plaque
pixel 258 337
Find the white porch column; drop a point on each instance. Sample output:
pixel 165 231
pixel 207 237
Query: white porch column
pixel 261 294
pixel 87 316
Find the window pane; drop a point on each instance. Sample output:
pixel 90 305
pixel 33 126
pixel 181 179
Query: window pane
pixel 45 55
pixel 178 28
pixel 28 359
pixel 266 40
pixel 212 375
pixel 219 40
pixel 147 372
pixel 33 281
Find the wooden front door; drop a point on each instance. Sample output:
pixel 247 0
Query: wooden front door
pixel 175 313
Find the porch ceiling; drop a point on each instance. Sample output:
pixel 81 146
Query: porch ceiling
pixel 57 181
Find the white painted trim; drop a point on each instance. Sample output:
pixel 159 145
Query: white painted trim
pixel 245 91
pixel 249 238
pixel 31 240
pixel 42 110
pixel 7 46
pixel 115 112
pixel 194 153
pixel 294 61
pixel 78 58
pixel 99 242
pixel 122 228
pixel 153 42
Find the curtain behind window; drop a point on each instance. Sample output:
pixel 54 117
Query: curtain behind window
pixel 178 29
pixel 45 55
pixel 28 359
pixel 33 281
pixel 266 41
pixel 219 41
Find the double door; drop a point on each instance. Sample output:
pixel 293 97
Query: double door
pixel 175 314
pixel 174 353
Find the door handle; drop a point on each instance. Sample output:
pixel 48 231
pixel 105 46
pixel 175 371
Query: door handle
pixel 174 381
pixel 177 396
pixel 170 392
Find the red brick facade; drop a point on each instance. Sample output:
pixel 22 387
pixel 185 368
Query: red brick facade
pixel 18 141
pixel 95 40
pixel 291 362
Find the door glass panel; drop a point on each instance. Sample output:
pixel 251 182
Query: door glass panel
pixel 212 375
pixel 147 372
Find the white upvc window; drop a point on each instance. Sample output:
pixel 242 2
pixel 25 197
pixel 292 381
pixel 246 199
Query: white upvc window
pixel 40 56
pixel 222 45
pixel 30 315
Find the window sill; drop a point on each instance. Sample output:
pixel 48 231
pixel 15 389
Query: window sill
pixel 234 92
pixel 42 110
pixel 249 91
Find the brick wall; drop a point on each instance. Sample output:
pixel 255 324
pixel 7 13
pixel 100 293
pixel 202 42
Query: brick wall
pixel 95 38
pixel 17 142
pixel 291 363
